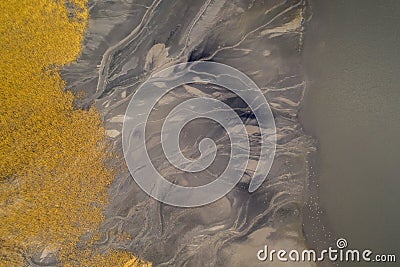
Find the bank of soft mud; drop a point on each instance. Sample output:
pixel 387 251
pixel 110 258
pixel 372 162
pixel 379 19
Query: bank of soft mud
pixel 125 44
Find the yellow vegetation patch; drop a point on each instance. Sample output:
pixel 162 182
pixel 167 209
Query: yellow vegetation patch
pixel 53 182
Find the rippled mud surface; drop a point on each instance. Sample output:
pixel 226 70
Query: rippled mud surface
pixel 126 42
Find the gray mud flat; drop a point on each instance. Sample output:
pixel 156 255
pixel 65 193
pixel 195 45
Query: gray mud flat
pixel 126 42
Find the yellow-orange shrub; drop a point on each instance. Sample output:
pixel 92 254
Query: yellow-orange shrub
pixel 53 179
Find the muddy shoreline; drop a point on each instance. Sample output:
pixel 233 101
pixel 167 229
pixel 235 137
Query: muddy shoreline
pixel 125 43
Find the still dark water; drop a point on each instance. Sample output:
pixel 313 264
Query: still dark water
pixel 352 107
